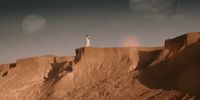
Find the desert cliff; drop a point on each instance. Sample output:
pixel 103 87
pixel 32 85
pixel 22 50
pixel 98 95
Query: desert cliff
pixel 169 72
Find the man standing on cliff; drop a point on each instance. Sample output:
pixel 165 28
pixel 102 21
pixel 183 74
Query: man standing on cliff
pixel 88 37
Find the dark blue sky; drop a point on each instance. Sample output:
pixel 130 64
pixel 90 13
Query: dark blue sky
pixel 39 27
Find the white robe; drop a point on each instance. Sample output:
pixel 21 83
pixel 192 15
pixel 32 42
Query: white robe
pixel 88 41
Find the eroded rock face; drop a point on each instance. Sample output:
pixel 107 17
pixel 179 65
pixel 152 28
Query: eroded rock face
pixel 23 80
pixel 177 66
pixel 130 73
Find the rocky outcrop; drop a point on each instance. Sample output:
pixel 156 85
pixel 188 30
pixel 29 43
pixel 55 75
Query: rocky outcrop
pixel 126 73
pixel 176 67
pixel 23 79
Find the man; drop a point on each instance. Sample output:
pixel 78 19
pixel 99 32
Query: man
pixel 88 37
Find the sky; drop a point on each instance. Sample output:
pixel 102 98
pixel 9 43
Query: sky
pixel 57 27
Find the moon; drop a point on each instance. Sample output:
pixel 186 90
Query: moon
pixel 33 23
pixel 154 7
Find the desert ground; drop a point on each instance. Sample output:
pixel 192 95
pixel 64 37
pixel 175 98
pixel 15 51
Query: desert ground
pixel 169 72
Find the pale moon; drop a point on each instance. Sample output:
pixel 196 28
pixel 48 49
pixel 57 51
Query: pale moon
pixel 153 8
pixel 33 23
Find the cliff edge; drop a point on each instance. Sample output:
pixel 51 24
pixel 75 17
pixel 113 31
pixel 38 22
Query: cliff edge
pixel 170 72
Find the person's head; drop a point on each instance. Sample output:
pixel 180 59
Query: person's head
pixel 86 35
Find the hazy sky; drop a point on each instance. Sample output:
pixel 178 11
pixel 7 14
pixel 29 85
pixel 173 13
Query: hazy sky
pixel 39 27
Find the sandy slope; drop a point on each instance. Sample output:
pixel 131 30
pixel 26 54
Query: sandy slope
pixel 129 73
